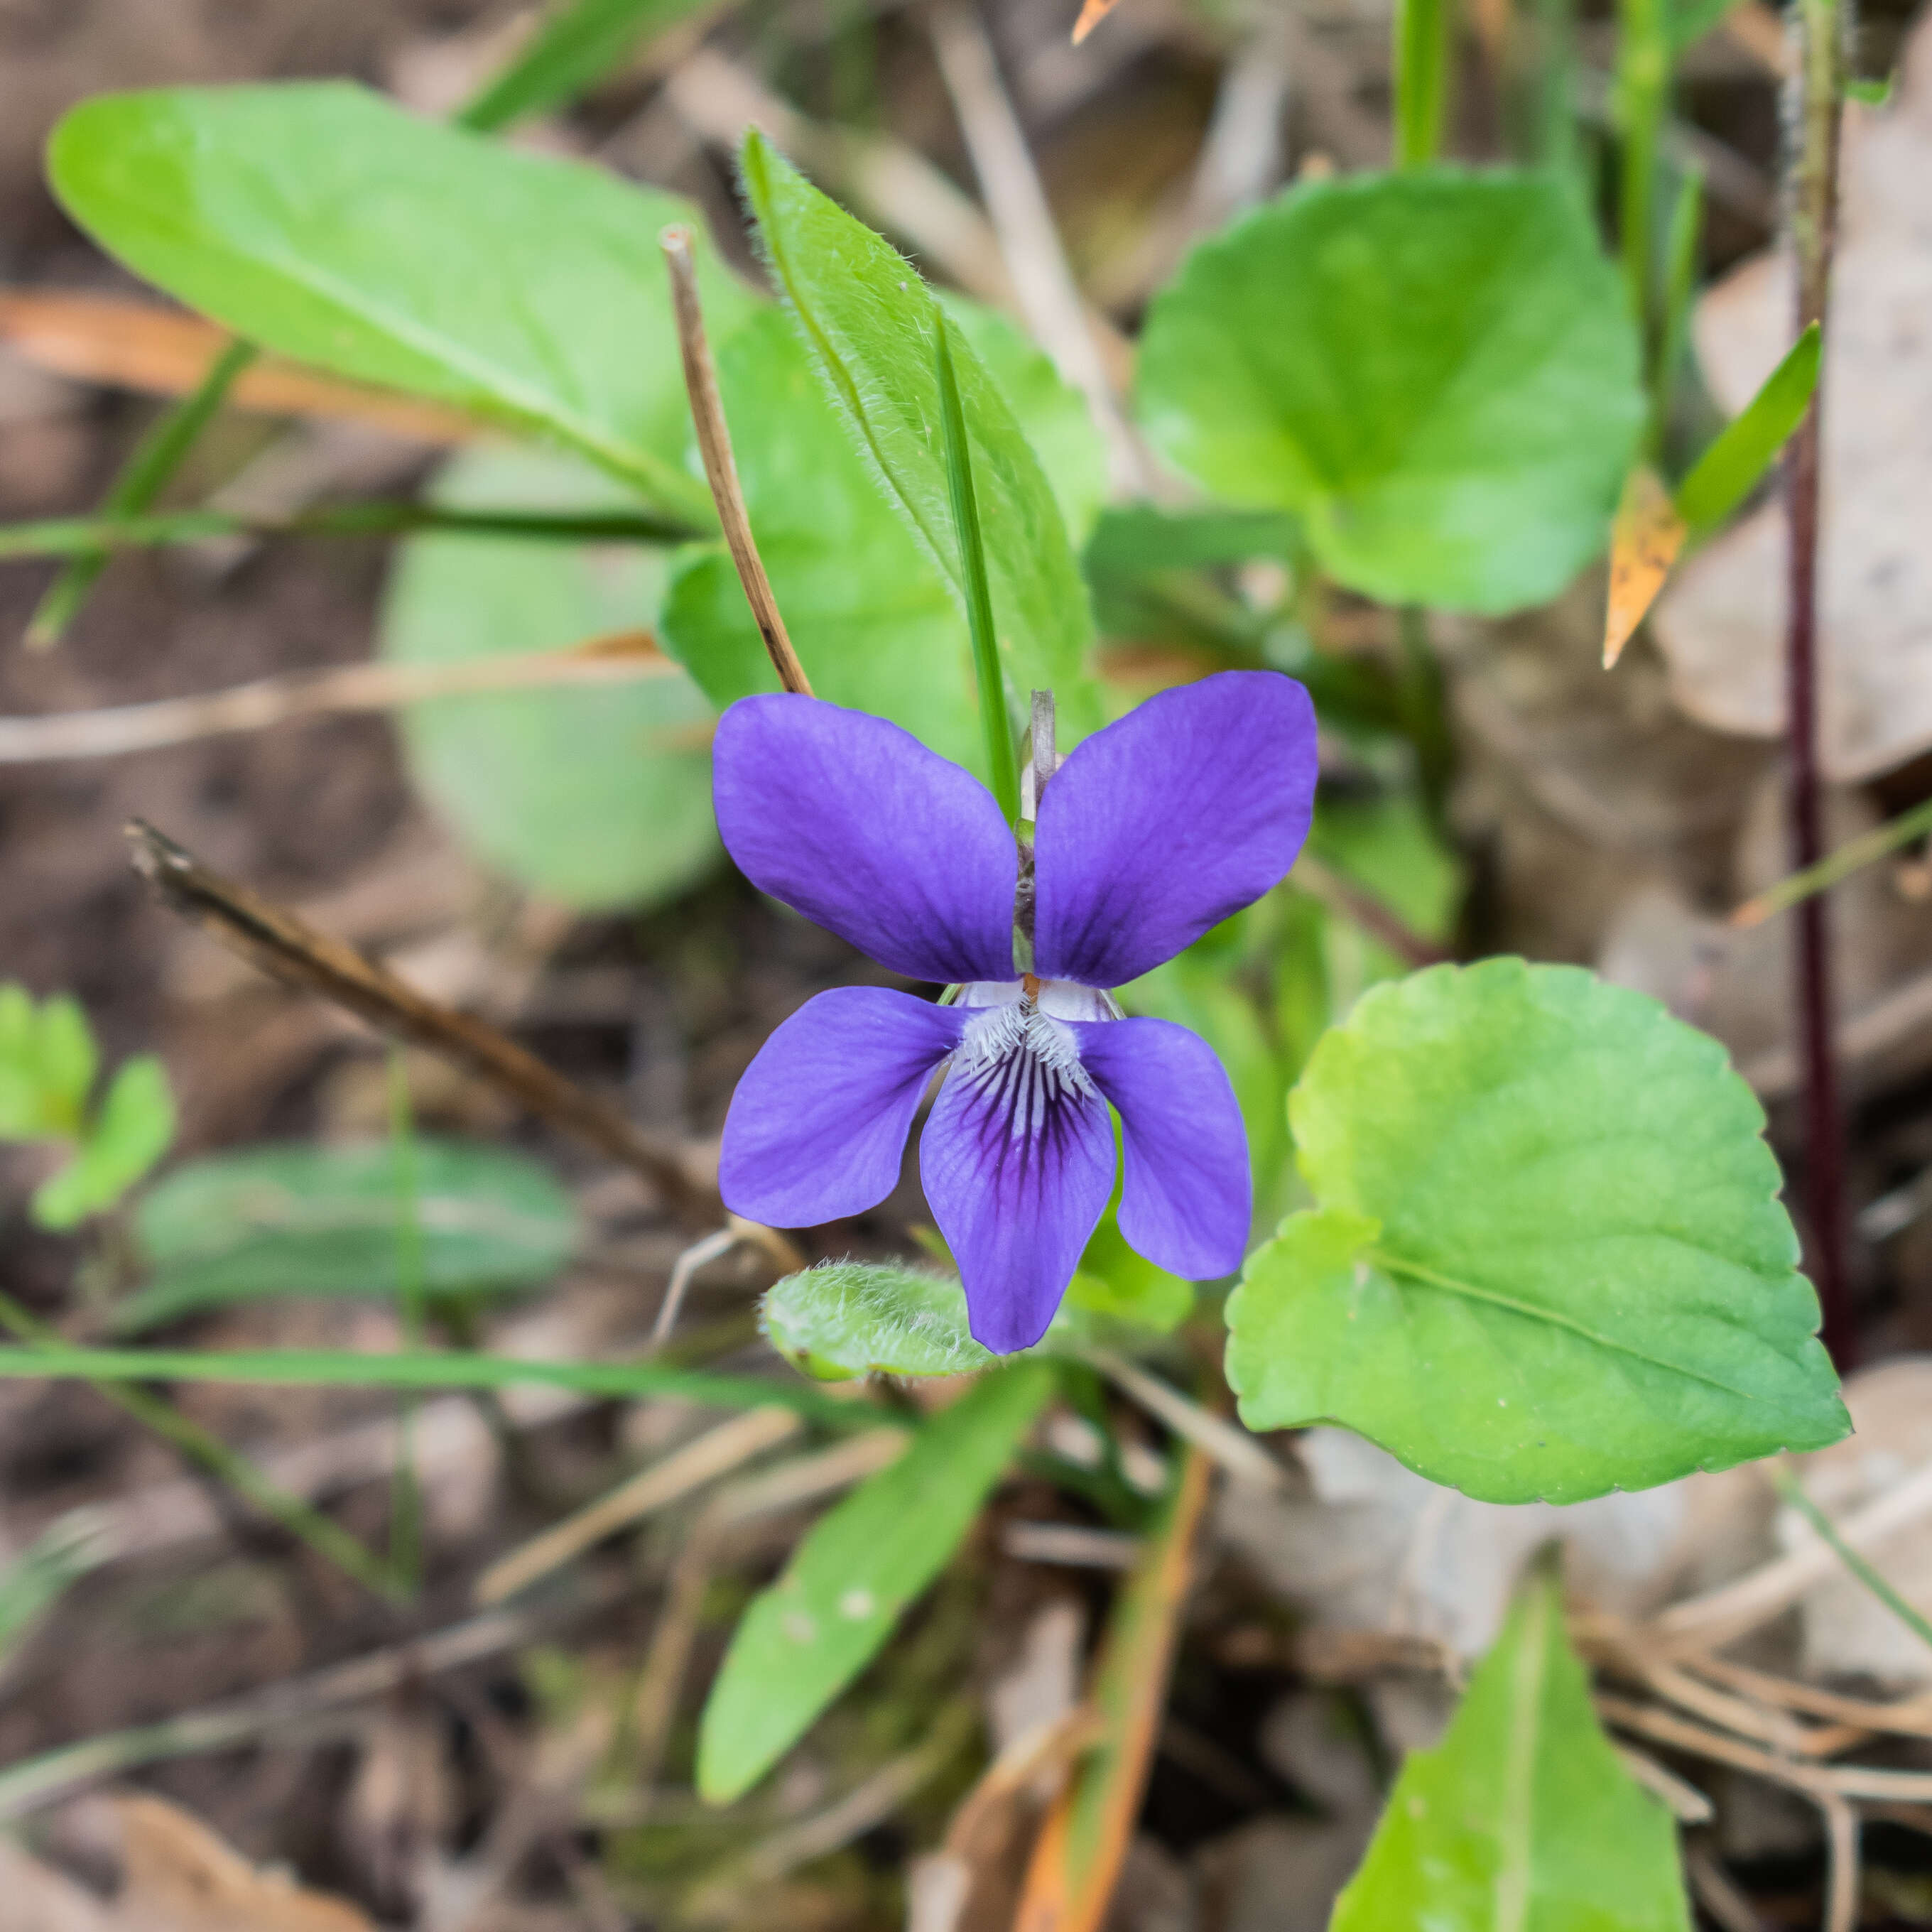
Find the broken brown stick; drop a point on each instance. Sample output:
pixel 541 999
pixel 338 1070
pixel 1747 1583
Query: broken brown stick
pixel 286 948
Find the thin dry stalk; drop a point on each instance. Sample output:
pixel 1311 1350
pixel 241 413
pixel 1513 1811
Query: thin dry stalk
pixel 720 466
pixel 116 730
pixel 286 948
pixel 1719 1615
pixel 1679 1796
pixel 1814 1781
pixel 1049 299
pixel 1910 1716
pixel 1841 1840
pixel 1234 1449
pixel 26 1787
pixel 1718 1892
pixel 714 1454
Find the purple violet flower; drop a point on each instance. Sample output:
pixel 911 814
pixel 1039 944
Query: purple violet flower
pixel 1176 816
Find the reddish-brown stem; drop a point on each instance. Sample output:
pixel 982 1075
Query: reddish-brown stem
pixel 1814 186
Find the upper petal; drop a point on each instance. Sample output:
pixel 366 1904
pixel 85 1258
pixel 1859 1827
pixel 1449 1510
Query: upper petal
pixel 1017 1161
pixel 1175 817
pixel 817 1125
pixel 856 824
pixel 1187 1198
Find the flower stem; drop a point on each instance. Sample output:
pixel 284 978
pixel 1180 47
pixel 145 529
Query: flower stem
pixel 1814 195
pixel 1001 766
pixel 1424 47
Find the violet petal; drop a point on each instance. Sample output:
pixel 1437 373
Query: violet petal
pixel 819 1122
pixel 855 824
pixel 1187 1198
pixel 1172 818
pixel 1017 1160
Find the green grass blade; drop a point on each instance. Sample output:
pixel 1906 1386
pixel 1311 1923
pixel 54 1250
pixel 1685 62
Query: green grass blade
pixel 433 1369
pixel 1728 472
pixel 1001 763
pixel 1790 1490
pixel 145 475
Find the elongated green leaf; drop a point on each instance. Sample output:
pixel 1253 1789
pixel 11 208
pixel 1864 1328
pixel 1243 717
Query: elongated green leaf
pixel 599 797
pixel 1523 1817
pixel 1435 371
pixel 299 1219
pixel 321 221
pixel 873 621
pixel 804 1639
pixel 1738 458
pixel 579 43
pixel 868 321
pixel 1549 1258
pixel 133 1128
pixel 846 1319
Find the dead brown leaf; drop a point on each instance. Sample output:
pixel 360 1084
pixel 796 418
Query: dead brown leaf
pixel 1645 541
pixel 1720 625
pixel 134 345
pixel 179 1876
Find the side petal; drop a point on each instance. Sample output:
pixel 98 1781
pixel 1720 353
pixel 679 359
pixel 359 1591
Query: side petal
pixel 1017 1160
pixel 855 823
pixel 1187 1198
pixel 1172 819
pixel 817 1125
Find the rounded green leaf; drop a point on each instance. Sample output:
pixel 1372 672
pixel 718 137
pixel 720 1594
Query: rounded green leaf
pixel 326 223
pixel 132 1129
pixel 322 1220
pixel 1435 371
pixel 845 1319
pixel 1549 1259
pixel 601 796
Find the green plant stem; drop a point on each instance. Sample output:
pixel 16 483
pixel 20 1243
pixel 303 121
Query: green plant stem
pixel 1680 290
pixel 433 1369
pixel 1002 766
pixel 87 536
pixel 1642 95
pixel 1790 1490
pixel 406 1513
pixel 1422 50
pixel 1420 701
pixel 328 1538
pixel 572 50
pixel 159 454
pixel 1852 856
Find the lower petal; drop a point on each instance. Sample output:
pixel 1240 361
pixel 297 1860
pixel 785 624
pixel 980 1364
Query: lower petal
pixel 819 1122
pixel 1017 1160
pixel 1187 1197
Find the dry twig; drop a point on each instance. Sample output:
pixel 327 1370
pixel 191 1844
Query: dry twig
pixel 721 467
pixel 282 946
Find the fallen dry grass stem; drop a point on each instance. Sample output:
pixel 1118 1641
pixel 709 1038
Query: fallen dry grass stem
pixel 1721 1614
pixel 115 729
pixel 39 1781
pixel 714 1454
pixel 1815 1780
pixel 289 950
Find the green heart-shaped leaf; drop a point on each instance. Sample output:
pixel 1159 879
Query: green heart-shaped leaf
pixel 1549 1258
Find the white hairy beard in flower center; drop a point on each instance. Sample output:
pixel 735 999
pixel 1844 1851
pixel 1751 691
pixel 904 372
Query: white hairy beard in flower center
pixel 1024 1062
